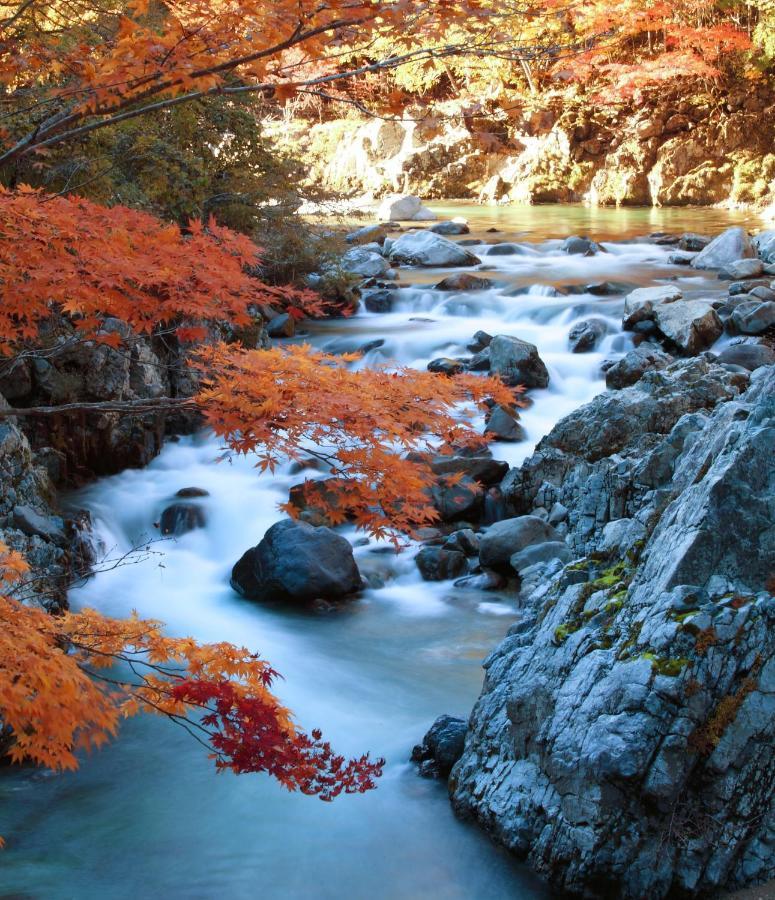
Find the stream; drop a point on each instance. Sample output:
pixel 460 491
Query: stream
pixel 146 817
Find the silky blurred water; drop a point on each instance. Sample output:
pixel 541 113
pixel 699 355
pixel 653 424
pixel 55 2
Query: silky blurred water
pixel 146 817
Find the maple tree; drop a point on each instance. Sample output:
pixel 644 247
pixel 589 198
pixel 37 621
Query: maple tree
pixel 68 681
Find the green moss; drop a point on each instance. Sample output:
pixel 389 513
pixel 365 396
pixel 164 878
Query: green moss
pixel 670 667
pixel 563 632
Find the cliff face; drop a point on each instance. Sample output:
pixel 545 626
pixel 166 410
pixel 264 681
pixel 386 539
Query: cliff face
pixel 669 152
pixel 624 741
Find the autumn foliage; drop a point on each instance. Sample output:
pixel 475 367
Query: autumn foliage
pixel 67 681
pixel 297 403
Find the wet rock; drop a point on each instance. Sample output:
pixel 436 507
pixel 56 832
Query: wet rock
pixel 445 365
pixel 540 553
pixel 503 425
pixel 366 261
pixel 297 563
pixel 188 492
pixel 753 317
pixel 483 469
pixel 517 362
pixel 423 248
pixel 180 518
pixel 503 539
pixel 32 523
pixel 641 303
pixel 371 345
pixel 479 341
pixel 763 293
pixel 585 336
pixel 464 281
pixel 743 287
pixel 748 356
pixel 479 362
pixel 441 748
pixel 440 563
pixel 450 228
pixel 730 246
pixel 486 580
pixel 579 246
pixel 680 259
pixel 693 242
pixel 691 325
pixel 742 268
pixel 380 301
pixel 462 500
pixel 465 541
pixel 507 249
pixel 282 326
pixel 602 288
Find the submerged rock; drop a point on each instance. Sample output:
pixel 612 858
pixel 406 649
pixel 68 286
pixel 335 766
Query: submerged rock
pixel 297 563
pixel 450 228
pixel 579 246
pixel 464 281
pixel 180 518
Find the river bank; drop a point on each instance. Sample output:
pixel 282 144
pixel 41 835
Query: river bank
pixel 377 673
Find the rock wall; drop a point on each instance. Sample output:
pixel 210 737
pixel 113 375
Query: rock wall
pixel 671 152
pixel 624 741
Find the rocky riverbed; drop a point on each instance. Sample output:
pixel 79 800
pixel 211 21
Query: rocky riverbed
pixel 621 529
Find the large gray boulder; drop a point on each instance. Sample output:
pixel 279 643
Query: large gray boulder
pixel 366 261
pixel 296 562
pixel 624 740
pixel 639 304
pixel 729 246
pixel 753 317
pixel 423 248
pixel 691 325
pixel 507 537
pixel 517 362
pixel 634 365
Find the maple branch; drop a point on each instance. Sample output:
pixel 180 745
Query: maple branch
pixel 135 407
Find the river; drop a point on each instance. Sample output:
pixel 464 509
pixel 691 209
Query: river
pixel 146 817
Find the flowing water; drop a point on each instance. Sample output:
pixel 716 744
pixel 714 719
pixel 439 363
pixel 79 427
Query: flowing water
pixel 145 817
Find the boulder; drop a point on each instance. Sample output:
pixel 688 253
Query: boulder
pixel 380 301
pixel 763 293
pixel 680 259
pixel 517 362
pixel 743 287
pixel 463 499
pixel 639 304
pixel 579 246
pixel 441 748
pixel 479 362
pixel 189 492
pixel 634 364
pixel 394 209
pixel 365 261
pixel 465 541
pixel 742 268
pixel 507 537
pixel 730 246
pixel 450 228
pixel 748 356
pixel 693 242
pixel 586 335
pixel 441 564
pixel 297 563
pixel 424 214
pixel 537 554
pixel 423 248
pixel 507 249
pixel 282 326
pixel 446 365
pixel 180 518
pixel 479 341
pixel 483 469
pixel 691 325
pixel 464 281
pixel 503 425
pixel 753 317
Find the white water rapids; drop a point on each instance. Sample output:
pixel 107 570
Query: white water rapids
pixel 146 818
